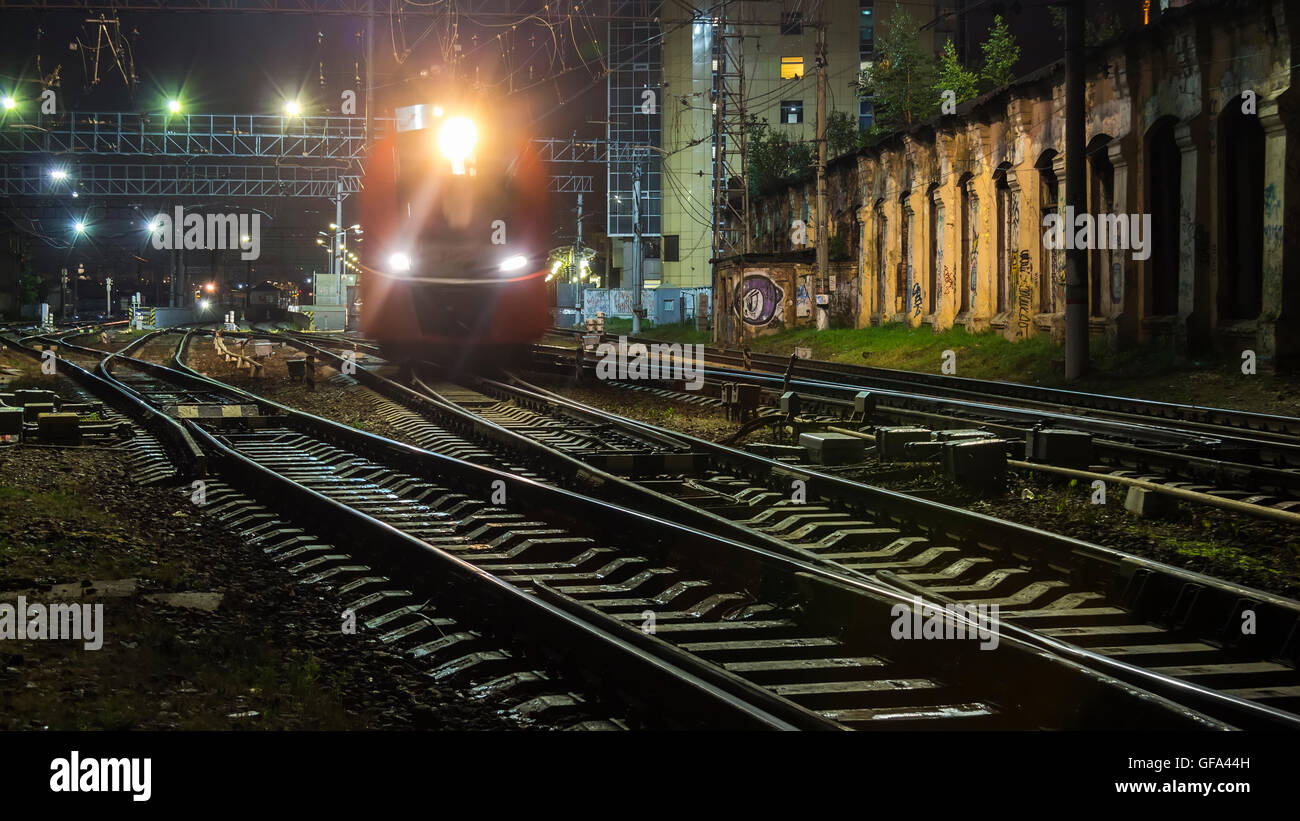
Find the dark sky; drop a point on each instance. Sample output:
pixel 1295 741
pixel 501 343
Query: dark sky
pixel 249 63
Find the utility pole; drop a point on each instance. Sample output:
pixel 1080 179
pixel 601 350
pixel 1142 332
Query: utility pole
pixel 576 257
pixel 820 221
pixel 1076 259
pixel 636 248
pixel 108 297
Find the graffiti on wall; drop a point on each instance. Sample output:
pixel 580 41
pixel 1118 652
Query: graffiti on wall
pixel 759 298
pixel 1025 281
pixel 594 300
pixel 802 302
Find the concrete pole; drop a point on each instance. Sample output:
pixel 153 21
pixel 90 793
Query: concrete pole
pixel 1076 259
pixel 823 251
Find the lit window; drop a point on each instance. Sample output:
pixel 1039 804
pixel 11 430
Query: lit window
pixel 791 68
pixel 792 111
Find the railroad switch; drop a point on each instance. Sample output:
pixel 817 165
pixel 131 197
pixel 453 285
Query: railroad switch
pixel 892 442
pixel 975 461
pixel 33 410
pixel 11 421
pixel 1063 448
pixel 833 448
pixel 59 428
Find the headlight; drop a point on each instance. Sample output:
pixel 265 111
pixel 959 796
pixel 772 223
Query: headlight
pixel 456 141
pixel 514 263
pixel 399 263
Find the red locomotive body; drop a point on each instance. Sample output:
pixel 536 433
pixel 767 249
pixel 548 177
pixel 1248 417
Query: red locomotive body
pixel 457 215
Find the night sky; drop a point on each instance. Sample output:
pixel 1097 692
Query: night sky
pixel 250 63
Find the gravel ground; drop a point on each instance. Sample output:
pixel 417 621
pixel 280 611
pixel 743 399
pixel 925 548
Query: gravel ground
pixel 270 656
pixel 350 404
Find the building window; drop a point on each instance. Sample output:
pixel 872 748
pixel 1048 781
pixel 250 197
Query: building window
pixel 866 30
pixel 791 68
pixel 792 111
pixel 670 247
pixel 792 22
pixel 866 114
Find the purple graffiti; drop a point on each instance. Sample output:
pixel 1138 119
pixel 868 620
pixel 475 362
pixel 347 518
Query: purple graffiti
pixel 758 299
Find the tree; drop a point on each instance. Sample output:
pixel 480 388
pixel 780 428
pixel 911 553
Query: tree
pixel 842 134
pixel 1101 26
pixel 773 158
pixel 953 77
pixel 901 81
pixel 1000 55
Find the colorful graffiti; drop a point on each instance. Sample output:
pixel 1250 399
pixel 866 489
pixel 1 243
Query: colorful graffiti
pixel 759 299
pixel 802 302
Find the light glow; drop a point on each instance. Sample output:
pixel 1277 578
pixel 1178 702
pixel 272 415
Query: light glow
pixel 399 263
pixel 456 141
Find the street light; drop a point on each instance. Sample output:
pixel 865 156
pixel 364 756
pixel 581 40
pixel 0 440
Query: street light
pixel 79 227
pixel 291 108
pixel 58 174
pixel 8 103
pixel 174 106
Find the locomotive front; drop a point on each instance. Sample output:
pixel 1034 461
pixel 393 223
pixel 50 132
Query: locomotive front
pixel 456 201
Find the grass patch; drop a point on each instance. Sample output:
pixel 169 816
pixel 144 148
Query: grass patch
pixel 979 355
pixel 682 333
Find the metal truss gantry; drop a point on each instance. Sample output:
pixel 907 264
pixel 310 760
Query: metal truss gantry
pixel 190 135
pixel 174 180
pixel 577 150
pixel 496 10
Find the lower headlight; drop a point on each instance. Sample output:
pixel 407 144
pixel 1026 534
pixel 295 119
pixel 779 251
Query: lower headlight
pixel 399 263
pixel 514 263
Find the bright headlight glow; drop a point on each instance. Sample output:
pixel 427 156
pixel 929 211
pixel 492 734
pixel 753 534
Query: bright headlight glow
pixel 399 263
pixel 514 263
pixel 456 141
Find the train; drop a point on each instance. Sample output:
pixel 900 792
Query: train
pixel 456 213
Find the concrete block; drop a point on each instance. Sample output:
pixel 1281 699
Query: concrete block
pixel 1147 504
pixel 891 442
pixel 864 404
pixel 974 461
pixel 833 448
pixel 790 403
pixel 1063 448
pixel 59 428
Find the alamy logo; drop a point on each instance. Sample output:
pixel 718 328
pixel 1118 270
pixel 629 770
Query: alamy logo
pixel 655 361
pixel 209 232
pixel 75 774
pixel 1112 232
pixel 955 621
pixel 36 621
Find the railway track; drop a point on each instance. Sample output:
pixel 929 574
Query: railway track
pixel 1260 471
pixel 1125 614
pixel 1214 421
pixel 742 636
